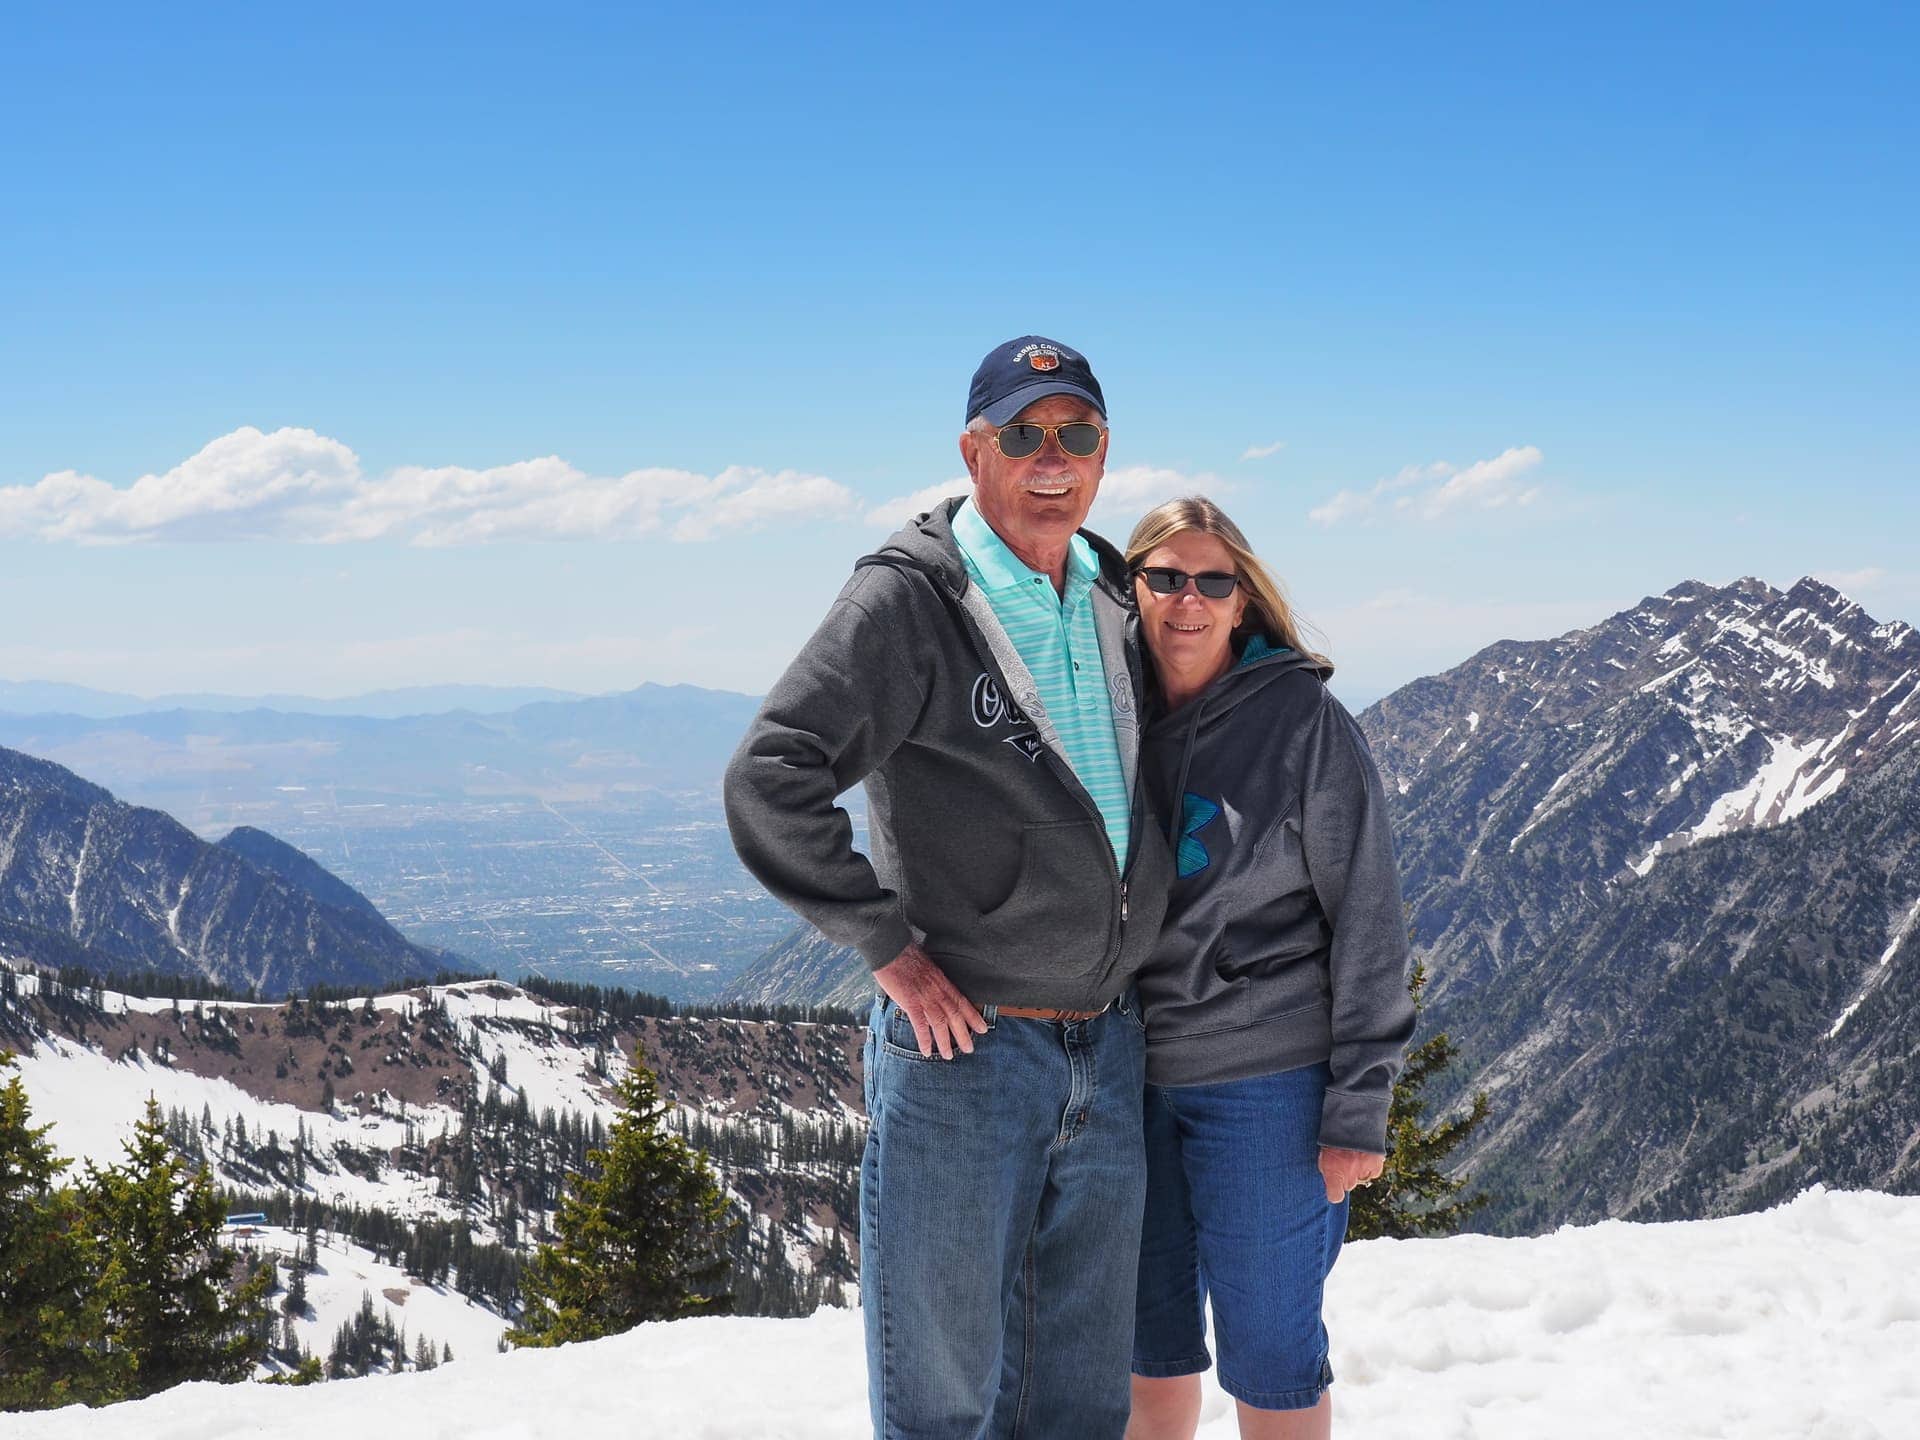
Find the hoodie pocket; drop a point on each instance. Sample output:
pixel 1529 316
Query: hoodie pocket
pixel 1052 903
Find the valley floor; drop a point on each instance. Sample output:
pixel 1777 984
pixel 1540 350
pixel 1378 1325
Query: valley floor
pixel 1798 1324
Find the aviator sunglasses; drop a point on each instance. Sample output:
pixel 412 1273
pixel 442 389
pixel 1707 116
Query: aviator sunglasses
pixel 1164 581
pixel 1078 438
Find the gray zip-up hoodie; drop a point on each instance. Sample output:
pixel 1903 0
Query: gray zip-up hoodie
pixel 984 844
pixel 1285 942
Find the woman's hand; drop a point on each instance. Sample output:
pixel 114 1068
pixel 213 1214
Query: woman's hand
pixel 1343 1170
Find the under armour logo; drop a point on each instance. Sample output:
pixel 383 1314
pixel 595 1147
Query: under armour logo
pixel 1196 813
pixel 990 707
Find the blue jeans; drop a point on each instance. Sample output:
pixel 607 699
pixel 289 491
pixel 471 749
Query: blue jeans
pixel 1236 1209
pixel 1000 1200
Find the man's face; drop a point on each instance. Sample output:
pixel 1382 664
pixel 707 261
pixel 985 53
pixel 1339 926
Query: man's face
pixel 1035 504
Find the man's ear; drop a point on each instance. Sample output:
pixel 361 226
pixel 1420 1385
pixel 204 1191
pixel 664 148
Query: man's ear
pixel 970 452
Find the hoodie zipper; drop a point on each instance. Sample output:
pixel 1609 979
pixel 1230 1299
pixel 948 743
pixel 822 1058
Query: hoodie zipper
pixel 1117 933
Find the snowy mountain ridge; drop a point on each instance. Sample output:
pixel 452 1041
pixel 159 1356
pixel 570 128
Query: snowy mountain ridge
pixel 1661 871
pixel 460 1104
pixel 1695 713
pixel 88 880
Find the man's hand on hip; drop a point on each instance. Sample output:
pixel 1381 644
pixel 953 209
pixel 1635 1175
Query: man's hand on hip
pixel 942 1017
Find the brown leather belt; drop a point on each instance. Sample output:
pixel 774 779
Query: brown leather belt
pixel 1028 1012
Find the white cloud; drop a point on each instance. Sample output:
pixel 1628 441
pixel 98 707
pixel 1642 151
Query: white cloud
pixel 294 484
pixel 1130 491
pixel 242 486
pixel 1437 490
pixel 901 508
pixel 1262 452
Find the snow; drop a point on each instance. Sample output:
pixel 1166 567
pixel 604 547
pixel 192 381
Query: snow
pixel 1776 792
pixel 1904 699
pixel 93 1102
pixel 173 915
pixel 1895 632
pixel 1797 1324
pixel 1900 933
pixel 550 1076
pixel 79 870
pixel 1540 810
pixel 1473 721
pixel 348 1272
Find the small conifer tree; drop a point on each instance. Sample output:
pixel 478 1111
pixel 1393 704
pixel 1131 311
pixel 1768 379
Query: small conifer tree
pixel 1414 1195
pixel 49 1319
pixel 171 1314
pixel 641 1236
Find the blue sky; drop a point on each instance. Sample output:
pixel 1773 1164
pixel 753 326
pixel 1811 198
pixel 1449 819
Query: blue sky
pixel 1567 308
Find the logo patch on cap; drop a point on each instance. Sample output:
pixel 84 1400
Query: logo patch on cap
pixel 1040 357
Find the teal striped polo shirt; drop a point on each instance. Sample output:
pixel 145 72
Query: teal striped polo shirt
pixel 1054 634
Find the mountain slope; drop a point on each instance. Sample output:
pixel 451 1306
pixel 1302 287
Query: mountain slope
pixel 298 870
pixel 86 879
pixel 804 968
pixel 463 1104
pixel 1652 865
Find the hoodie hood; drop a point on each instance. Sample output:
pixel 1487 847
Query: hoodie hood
pixel 1260 664
pixel 925 543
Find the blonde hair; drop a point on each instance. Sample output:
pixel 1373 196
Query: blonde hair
pixel 1268 612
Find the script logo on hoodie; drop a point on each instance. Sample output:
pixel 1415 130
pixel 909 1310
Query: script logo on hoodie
pixel 991 706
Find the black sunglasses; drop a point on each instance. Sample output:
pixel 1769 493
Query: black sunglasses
pixel 1023 438
pixel 1163 581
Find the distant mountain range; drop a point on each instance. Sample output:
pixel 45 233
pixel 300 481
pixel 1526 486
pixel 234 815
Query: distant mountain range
pixel 580 750
pixel 1665 873
pixel 88 880
pixel 41 697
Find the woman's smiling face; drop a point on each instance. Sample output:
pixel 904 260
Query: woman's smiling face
pixel 1189 635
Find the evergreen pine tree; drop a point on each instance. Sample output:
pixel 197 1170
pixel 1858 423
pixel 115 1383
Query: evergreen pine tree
pixel 1414 1195
pixel 641 1236
pixel 170 1316
pixel 49 1322
pixel 295 1302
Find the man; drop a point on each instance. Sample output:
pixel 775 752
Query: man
pixel 978 674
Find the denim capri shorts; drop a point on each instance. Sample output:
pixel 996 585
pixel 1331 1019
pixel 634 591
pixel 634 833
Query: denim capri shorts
pixel 1237 1213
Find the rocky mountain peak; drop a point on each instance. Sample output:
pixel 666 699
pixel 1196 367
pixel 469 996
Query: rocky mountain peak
pixel 86 879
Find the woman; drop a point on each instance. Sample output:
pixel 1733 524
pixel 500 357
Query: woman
pixel 1276 1004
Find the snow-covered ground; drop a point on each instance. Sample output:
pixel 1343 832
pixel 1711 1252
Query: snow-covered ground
pixel 93 1102
pixel 347 1273
pixel 1799 1324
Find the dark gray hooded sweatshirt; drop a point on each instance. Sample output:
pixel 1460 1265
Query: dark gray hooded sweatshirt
pixel 1285 942
pixel 984 845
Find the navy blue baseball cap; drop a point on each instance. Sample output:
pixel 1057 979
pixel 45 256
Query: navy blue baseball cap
pixel 1016 374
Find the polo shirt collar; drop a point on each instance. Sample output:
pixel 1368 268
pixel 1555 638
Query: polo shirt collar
pixel 998 568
